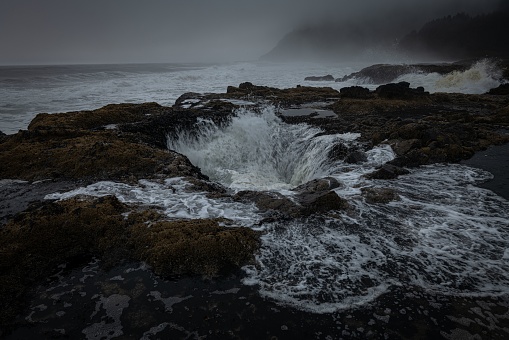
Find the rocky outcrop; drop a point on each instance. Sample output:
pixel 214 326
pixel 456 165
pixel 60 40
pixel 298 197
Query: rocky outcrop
pixel 386 73
pixel 320 78
pixel 387 171
pixel 128 142
pixel 92 145
pixel 400 90
pixel 46 235
pixel 315 196
pixel 357 92
pixel 285 97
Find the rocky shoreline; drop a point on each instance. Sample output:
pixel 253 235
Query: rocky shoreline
pixel 127 143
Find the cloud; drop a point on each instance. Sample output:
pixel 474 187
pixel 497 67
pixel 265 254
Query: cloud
pixel 179 30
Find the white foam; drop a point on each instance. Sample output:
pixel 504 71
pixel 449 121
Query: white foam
pixel 479 78
pixel 171 196
pixel 257 151
pixel 444 235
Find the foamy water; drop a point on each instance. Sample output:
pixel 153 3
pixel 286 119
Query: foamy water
pixel 444 234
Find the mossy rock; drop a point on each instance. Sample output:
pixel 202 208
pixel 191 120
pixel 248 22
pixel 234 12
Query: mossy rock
pixel 193 247
pixel 35 242
pixel 101 155
pixel 95 119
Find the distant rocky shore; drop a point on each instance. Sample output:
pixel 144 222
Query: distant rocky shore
pixel 386 73
pixel 127 142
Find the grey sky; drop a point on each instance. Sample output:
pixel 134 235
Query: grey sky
pixel 82 31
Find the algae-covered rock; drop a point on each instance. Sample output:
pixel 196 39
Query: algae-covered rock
pixel 380 195
pixel 193 246
pixel 98 156
pixel 35 242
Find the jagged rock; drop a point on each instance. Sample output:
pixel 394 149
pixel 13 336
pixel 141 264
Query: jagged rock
pixel 287 97
pixel 387 171
pixel 358 92
pixel 379 195
pixel 312 197
pixel 400 90
pixel 188 96
pixel 501 90
pixel 386 73
pixel 269 202
pixel 96 156
pixel 318 185
pixel 401 147
pixel 320 78
pixel 356 157
pixel 322 203
pixel 75 145
pixel 317 196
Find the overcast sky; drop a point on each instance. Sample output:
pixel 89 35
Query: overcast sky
pixel 111 31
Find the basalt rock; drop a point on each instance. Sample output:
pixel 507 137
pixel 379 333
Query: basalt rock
pixel 379 195
pixel 320 78
pixel 48 234
pixel 356 157
pixel 400 90
pixel 315 196
pixel 270 202
pixel 386 73
pixel 318 196
pixel 285 97
pixel 76 145
pixel 317 186
pixel 357 92
pixel 387 171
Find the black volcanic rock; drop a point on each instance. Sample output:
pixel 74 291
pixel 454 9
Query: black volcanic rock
pixel 385 73
pixel 387 171
pixel 400 90
pixel 320 78
pixel 500 90
pixel 354 92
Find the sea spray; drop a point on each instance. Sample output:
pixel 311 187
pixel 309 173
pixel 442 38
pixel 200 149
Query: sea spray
pixel 257 151
pixel 479 78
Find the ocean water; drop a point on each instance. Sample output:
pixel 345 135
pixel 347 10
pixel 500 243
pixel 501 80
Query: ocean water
pixel 444 234
pixel 28 90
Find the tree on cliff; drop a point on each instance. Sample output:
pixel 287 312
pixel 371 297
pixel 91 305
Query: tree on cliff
pixel 461 36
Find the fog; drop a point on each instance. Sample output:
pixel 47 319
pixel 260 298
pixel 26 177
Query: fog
pixel 107 31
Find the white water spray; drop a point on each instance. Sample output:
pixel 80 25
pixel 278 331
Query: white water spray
pixel 257 151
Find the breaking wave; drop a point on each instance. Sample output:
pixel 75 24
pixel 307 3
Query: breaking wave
pixel 480 78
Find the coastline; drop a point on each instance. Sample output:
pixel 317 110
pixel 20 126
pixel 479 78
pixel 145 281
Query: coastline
pixel 126 144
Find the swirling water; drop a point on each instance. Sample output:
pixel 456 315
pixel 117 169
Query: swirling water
pixel 444 234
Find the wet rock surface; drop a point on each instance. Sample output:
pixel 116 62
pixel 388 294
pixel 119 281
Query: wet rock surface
pixel 72 267
pixel 386 73
pixel 320 78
